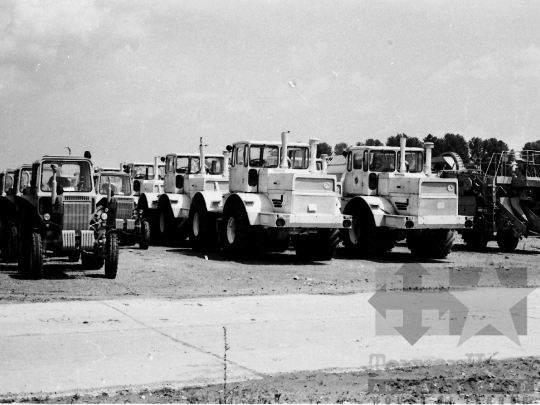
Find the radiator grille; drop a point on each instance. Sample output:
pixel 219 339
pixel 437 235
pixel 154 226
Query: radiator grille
pixel 314 184
pixel 76 198
pixel 124 209
pixel 76 216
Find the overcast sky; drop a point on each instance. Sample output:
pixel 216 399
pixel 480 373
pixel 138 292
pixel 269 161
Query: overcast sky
pixel 132 79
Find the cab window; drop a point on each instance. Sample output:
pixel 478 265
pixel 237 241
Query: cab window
pixel 298 157
pixel 169 164
pixel 9 182
pixel 263 156
pixel 71 176
pixel 119 185
pixel 414 161
pixel 239 155
pixel 382 161
pixel 213 165
pixel 358 158
pixel 182 165
pixel 25 180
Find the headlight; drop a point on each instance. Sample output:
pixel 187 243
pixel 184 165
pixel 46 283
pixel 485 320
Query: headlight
pixel 104 216
pixel 46 217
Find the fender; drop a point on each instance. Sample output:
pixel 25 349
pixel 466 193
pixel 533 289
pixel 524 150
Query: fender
pixel 28 214
pixel 213 200
pixel 180 204
pixel 8 211
pixel 254 204
pixel 150 199
pixel 379 206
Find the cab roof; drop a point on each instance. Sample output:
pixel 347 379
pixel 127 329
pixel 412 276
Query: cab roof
pixel 63 157
pixel 195 154
pixel 392 148
pixel 111 173
pixel 273 143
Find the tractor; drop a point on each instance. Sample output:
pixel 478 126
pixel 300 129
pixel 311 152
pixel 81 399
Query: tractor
pixel 15 183
pixel 192 195
pixel 58 218
pixel 277 195
pixel 147 177
pixel 502 193
pixel 393 196
pixel 115 197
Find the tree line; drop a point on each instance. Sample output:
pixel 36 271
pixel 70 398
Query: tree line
pixel 473 151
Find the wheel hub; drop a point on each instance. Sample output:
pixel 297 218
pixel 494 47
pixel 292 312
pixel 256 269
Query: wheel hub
pixel 196 224
pixel 231 230
pixel 354 232
pixel 162 222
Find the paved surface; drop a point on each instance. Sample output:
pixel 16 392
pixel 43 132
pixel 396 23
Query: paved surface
pixel 97 345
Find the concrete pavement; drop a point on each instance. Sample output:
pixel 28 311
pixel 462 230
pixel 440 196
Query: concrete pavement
pixel 101 345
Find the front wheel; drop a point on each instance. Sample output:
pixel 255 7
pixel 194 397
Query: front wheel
pixel 111 256
pixel 202 233
pixel 238 237
pixel 432 245
pixel 506 241
pixel 317 246
pixel 10 243
pixel 144 237
pixel 477 238
pixel 31 258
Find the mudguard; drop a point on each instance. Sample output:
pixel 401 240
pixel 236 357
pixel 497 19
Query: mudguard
pixel 148 200
pixel 28 214
pixel 180 204
pixel 255 204
pixel 379 206
pixel 213 200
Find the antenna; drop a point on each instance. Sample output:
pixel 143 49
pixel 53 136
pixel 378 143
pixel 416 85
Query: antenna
pixel 69 149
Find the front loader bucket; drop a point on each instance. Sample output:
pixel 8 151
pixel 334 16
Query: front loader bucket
pixel 534 220
pixel 518 227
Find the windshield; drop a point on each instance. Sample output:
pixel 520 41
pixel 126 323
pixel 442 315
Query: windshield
pixel 298 157
pixel 120 185
pixel 161 172
pixel 25 180
pixel 214 165
pixel 71 176
pixel 414 161
pixel 8 182
pixel 382 161
pixel 263 156
pixel 142 172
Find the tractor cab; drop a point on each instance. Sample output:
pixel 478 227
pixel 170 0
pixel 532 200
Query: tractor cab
pixel 21 180
pixel 147 177
pixel 6 181
pixel 184 173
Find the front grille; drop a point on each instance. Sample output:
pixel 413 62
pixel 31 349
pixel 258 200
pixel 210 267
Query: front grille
pixel 302 183
pixel 76 198
pixel 76 216
pixel 124 209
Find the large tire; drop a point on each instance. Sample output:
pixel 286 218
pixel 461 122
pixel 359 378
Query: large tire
pixel 91 261
pixel 317 246
pixel 10 243
pixel 506 241
pixel 165 224
pixel 74 256
pixel 477 238
pixel 238 238
pixel 202 228
pixel 31 258
pixel 363 238
pixel 111 256
pixel 144 237
pixel 432 245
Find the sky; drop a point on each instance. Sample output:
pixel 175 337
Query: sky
pixel 131 79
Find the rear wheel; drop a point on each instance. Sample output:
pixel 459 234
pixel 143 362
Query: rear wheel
pixel 31 258
pixel 10 243
pixel 506 241
pixel 476 238
pixel 144 237
pixel 202 231
pixel 238 238
pixel 111 256
pixel 317 246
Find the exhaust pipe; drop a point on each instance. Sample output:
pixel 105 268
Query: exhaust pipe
pixel 402 142
pixel 284 164
pixel 54 184
pixel 324 156
pixel 226 157
pixel 201 151
pixel 427 166
pixel 109 191
pixel 313 161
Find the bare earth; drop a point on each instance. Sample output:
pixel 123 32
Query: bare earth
pixel 178 272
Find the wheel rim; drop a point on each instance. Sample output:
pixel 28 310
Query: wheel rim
pixel 354 232
pixel 162 222
pixel 196 224
pixel 231 230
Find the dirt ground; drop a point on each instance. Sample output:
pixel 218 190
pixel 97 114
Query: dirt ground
pixel 178 272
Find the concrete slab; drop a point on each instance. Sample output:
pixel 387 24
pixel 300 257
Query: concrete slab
pixel 65 347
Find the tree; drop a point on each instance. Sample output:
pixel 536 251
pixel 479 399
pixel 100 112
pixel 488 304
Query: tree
pixel 476 149
pixel 412 142
pixel 493 145
pixel 339 148
pixel 532 145
pixel 324 148
pixel 450 143
pixel 374 142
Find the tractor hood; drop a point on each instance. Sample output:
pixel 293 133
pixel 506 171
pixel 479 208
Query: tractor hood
pixel 274 180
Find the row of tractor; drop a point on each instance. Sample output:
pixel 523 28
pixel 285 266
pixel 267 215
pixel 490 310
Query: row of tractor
pixel 260 196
